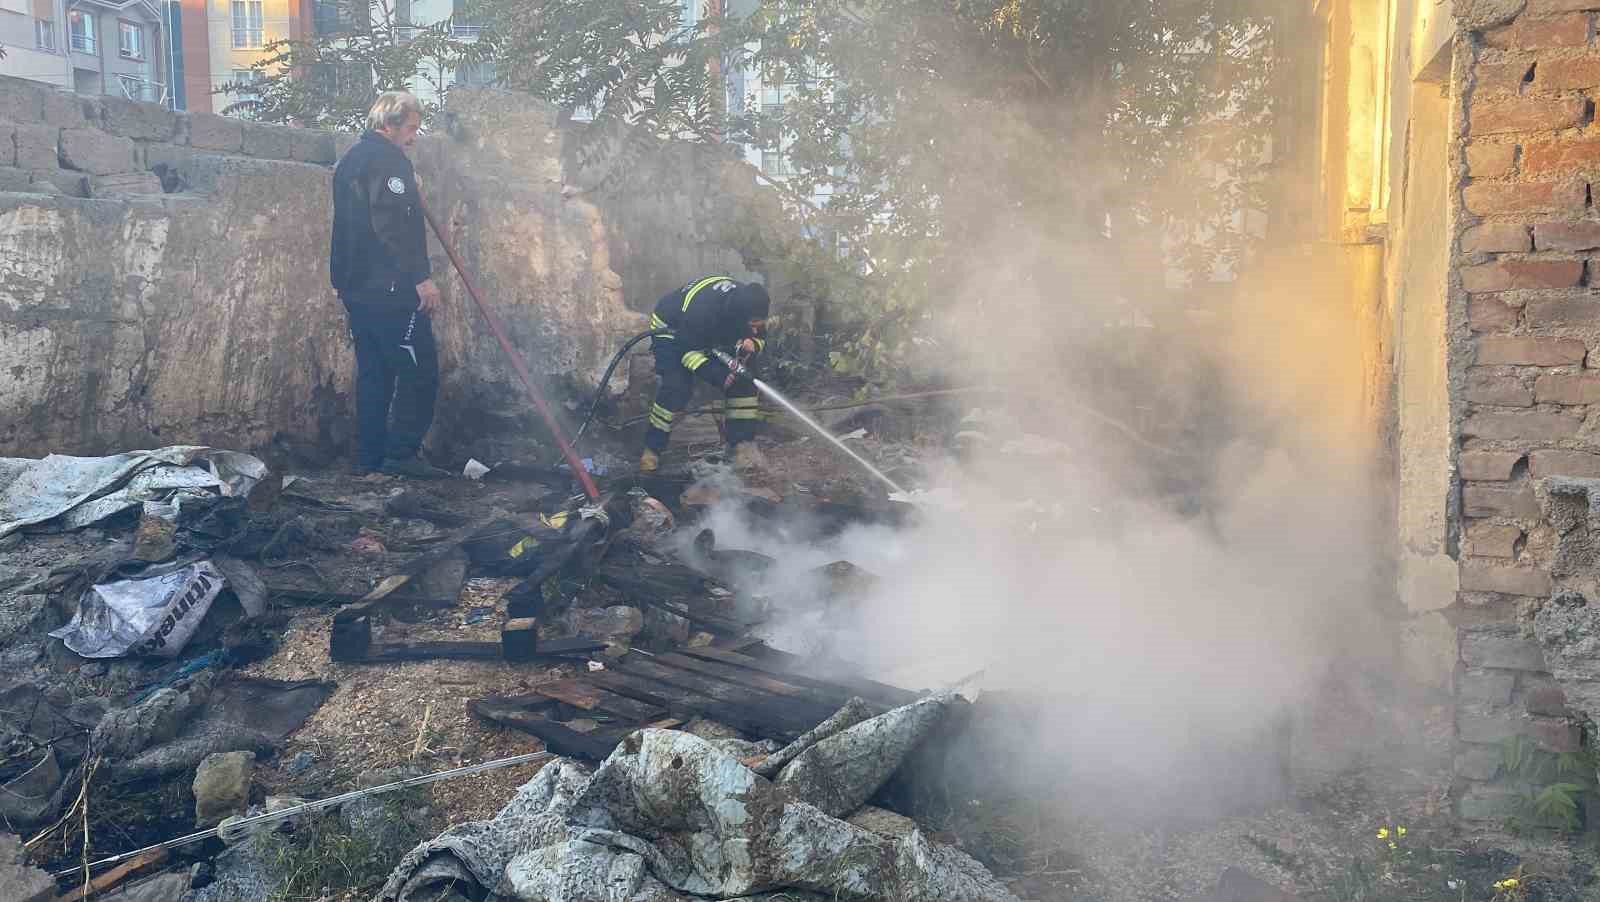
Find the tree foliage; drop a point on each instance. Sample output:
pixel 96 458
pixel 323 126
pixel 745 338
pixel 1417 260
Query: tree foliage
pixel 952 134
pixel 329 80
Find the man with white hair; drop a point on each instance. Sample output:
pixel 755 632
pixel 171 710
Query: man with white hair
pixel 379 267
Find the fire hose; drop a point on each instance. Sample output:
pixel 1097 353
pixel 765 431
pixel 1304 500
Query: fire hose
pixel 578 471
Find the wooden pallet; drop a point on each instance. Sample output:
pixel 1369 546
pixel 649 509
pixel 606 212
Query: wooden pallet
pixel 757 690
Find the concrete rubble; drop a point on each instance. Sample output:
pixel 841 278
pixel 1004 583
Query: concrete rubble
pixel 671 816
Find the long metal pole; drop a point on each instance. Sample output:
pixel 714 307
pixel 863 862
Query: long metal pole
pixel 545 412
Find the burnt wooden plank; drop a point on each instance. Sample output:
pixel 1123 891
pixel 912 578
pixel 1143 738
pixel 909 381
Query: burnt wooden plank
pixel 387 652
pixel 741 676
pixel 688 705
pixel 791 713
pixel 793 668
pixel 558 738
pixel 584 694
pixel 736 643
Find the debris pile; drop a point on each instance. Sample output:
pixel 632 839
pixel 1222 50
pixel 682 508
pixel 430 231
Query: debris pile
pixel 672 817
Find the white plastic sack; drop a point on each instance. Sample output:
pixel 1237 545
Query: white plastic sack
pixel 151 616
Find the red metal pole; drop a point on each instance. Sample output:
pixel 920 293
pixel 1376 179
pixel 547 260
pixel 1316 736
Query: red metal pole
pixel 516 363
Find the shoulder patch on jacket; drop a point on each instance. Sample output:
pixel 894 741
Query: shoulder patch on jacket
pixel 396 186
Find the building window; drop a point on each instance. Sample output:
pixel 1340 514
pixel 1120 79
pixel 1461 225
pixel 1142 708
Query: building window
pixel 246 77
pixel 475 74
pixel 130 40
pixel 44 34
pixel 80 28
pixel 775 163
pixel 246 24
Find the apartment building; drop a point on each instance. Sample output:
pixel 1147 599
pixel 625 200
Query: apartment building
pixel 91 47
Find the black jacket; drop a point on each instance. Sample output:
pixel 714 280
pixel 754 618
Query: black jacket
pixel 703 314
pixel 380 243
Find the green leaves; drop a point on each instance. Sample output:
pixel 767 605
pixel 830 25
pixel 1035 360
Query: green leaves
pixel 330 80
pixel 943 134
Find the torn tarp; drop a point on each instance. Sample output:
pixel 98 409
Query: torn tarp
pixel 154 615
pixel 73 492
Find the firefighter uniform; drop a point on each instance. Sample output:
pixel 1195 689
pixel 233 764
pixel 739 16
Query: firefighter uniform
pixel 379 256
pixel 711 313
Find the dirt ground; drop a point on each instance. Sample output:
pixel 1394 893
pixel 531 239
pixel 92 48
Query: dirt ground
pixel 1362 763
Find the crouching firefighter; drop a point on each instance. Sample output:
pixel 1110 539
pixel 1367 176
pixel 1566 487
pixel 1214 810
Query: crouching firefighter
pixel 705 320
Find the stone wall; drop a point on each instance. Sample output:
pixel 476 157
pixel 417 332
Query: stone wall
pixel 1524 352
pixel 163 276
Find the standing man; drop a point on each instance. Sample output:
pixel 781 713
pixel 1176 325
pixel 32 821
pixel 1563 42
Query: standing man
pixel 379 266
pixel 710 314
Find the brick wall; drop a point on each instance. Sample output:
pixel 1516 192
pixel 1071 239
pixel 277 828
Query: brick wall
pixel 1525 365
pixel 55 142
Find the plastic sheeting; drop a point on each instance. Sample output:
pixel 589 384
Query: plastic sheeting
pixel 152 616
pixel 671 817
pixel 73 492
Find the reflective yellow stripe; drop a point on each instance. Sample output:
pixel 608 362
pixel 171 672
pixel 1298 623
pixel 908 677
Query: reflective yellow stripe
pixel 761 345
pixel 694 360
pixel 660 417
pixel 656 322
pixel 703 283
pixel 744 408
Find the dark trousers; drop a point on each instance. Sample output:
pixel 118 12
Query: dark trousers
pixel 397 371
pixel 676 387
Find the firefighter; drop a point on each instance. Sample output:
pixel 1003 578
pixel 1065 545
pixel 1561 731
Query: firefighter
pixel 379 267
pixel 711 314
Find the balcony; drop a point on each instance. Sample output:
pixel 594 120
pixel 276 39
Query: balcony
pixel 84 43
pixel 142 89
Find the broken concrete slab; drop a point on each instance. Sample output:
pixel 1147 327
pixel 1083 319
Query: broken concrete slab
pixel 18 881
pixel 222 786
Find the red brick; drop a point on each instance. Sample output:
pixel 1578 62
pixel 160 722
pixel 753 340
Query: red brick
pixel 1528 114
pixel 1550 7
pixel 1507 275
pixel 1569 74
pixel 1491 198
pixel 1546 157
pixel 1481 576
pixel 1492 540
pixel 1496 238
pixel 1526 350
pixel 1490 315
pixel 1568 388
pixel 1576 464
pixel 1498 391
pixel 1521 425
pixel 1502 77
pixel 1488 466
pixel 1490 161
pixel 1583 310
pixel 1513 502
pixel 1567 236
pixel 1571 30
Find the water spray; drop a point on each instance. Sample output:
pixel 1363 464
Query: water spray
pixel 737 370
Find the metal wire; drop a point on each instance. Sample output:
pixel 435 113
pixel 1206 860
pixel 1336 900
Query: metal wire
pixel 249 825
